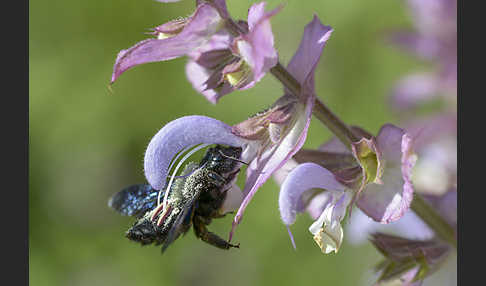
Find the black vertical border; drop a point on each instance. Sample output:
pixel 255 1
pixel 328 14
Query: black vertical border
pixel 471 171
pixel 14 116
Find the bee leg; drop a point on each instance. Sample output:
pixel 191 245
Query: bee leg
pixel 205 235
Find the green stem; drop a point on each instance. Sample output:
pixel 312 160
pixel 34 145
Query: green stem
pixel 320 111
pixel 435 221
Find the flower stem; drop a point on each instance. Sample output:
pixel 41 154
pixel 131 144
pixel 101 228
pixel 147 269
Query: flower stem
pixel 427 213
pixel 320 111
pixel 324 114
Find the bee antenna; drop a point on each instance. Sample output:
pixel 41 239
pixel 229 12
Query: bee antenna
pixel 232 158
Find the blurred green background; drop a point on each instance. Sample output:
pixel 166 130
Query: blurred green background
pixel 86 144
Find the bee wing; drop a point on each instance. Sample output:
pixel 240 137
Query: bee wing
pixel 182 223
pixel 134 200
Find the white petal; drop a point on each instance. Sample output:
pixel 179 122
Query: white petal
pixel 328 234
pixel 233 199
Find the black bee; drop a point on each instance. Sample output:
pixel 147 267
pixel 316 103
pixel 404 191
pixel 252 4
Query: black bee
pixel 194 198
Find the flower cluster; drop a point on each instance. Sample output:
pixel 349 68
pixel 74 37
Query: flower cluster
pixel 435 142
pixel 378 174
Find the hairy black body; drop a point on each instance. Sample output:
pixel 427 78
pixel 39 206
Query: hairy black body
pixel 194 199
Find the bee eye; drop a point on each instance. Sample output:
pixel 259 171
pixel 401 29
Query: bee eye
pixel 217 159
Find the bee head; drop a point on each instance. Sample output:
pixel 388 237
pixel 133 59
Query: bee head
pixel 222 159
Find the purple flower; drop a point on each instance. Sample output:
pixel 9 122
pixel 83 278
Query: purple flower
pixel 434 39
pixel 435 178
pixel 327 229
pixel 282 129
pixel 268 139
pixel 174 39
pixel 182 134
pixel 230 62
pixel 219 61
pixel 388 200
pixel 378 180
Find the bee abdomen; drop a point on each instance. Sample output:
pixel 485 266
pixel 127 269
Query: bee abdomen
pixel 145 232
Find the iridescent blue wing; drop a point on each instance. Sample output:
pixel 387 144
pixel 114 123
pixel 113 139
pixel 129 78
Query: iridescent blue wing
pixel 135 200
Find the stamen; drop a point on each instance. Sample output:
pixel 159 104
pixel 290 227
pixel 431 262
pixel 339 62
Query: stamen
pixel 164 215
pixel 156 211
pixel 172 164
pixel 233 158
pixel 291 237
pixel 177 168
pixel 178 155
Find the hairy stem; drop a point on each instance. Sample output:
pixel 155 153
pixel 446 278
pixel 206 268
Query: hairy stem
pixel 320 111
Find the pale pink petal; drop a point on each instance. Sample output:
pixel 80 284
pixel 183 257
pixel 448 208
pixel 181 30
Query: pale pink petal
pixel 256 47
pixel 313 42
pixel 204 23
pixel 387 202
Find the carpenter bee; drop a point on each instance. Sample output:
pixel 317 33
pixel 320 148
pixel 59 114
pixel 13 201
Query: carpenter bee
pixel 193 198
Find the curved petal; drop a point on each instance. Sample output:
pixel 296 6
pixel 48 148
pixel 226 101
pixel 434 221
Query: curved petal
pixel 256 47
pixel 304 177
pixel 198 76
pixel 274 158
pixel 282 173
pixel 387 202
pixel 294 138
pixel 305 60
pixel 179 134
pixel 317 204
pixel 205 22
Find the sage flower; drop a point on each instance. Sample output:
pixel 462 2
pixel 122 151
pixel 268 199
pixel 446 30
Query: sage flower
pixel 268 139
pixel 219 62
pixel 434 176
pixel 282 129
pixel 182 134
pixel 327 229
pixel 229 62
pixel 173 39
pixel 388 200
pixel 378 181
